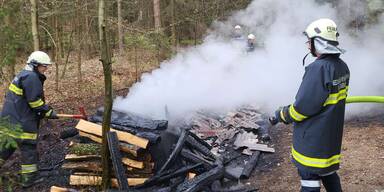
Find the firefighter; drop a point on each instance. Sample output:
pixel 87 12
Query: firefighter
pixel 251 42
pixel 238 33
pixel 318 111
pixel 24 105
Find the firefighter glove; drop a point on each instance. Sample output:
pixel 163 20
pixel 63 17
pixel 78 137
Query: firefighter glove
pixel 282 115
pixel 53 115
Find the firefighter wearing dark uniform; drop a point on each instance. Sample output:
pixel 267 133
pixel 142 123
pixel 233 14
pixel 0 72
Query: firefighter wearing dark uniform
pixel 24 106
pixel 251 43
pixel 318 111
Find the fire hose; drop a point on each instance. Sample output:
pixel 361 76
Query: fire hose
pixel 365 99
pixel 350 99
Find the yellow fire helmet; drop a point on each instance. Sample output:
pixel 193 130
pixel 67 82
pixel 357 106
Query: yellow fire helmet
pixel 323 28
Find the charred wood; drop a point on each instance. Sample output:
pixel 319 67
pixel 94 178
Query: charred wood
pixel 251 164
pixel 201 181
pixel 113 144
pixel 191 157
pixel 168 175
pixel 128 119
pixel 176 151
pixel 196 144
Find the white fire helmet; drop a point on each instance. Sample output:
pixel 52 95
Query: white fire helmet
pixel 39 57
pixel 323 28
pixel 237 27
pixel 251 36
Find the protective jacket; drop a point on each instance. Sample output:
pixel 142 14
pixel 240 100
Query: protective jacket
pixel 318 115
pixel 24 102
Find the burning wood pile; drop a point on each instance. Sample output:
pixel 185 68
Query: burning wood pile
pixel 210 151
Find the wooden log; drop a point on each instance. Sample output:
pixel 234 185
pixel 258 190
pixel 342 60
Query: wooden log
pixel 191 175
pixel 251 164
pixel 96 180
pixel 133 163
pixel 113 144
pixel 128 148
pixel 74 157
pixel 61 189
pixel 90 166
pixel 94 128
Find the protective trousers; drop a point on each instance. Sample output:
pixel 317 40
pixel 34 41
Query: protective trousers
pixel 27 143
pixel 311 182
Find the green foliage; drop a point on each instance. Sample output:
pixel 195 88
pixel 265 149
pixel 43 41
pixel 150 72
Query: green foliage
pixel 151 40
pixel 85 149
pixel 14 31
pixel 8 133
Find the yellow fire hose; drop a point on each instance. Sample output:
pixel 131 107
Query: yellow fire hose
pixel 365 99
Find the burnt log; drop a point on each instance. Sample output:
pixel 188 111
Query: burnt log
pixel 193 158
pixel 69 132
pixel 132 120
pixel 201 181
pixel 167 176
pixel 152 135
pixel 195 144
pixel 113 144
pixel 200 140
pixel 179 145
pixel 251 164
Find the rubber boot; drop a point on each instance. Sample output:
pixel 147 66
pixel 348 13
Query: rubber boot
pixel 30 179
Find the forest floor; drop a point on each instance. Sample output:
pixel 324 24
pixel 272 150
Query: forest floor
pixel 362 166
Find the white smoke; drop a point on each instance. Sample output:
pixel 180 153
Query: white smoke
pixel 219 75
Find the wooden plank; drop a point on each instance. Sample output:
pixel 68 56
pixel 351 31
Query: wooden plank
pixel 113 144
pixel 191 175
pixel 94 128
pixel 133 163
pixel 128 148
pixel 83 166
pixel 90 136
pixel 96 180
pixel 74 157
pixel 61 189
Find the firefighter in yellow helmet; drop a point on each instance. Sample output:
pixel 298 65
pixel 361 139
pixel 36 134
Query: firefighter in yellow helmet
pixel 318 111
pixel 24 105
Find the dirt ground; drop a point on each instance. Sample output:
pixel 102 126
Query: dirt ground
pixel 362 167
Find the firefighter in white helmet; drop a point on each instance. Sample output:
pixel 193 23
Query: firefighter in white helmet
pixel 318 111
pixel 251 40
pixel 24 106
pixel 237 32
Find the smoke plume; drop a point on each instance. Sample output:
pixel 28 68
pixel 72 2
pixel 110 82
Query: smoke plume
pixel 219 74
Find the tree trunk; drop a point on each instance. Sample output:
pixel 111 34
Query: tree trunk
pixel 57 51
pixel 34 22
pixel 10 52
pixel 106 60
pixel 119 27
pixel 156 15
pixel 79 43
pixel 173 26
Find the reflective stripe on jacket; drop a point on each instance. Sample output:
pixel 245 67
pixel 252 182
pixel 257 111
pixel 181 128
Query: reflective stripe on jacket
pixel 318 115
pixel 24 102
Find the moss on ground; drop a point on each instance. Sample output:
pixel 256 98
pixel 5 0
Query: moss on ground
pixel 85 149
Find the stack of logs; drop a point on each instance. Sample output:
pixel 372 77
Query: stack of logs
pixel 132 136
pixel 211 151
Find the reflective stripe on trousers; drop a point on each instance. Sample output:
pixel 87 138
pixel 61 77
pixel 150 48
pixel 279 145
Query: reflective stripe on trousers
pixel 310 183
pixel 28 168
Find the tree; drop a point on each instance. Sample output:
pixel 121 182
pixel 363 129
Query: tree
pixel 34 24
pixel 119 27
pixel 156 15
pixel 106 60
